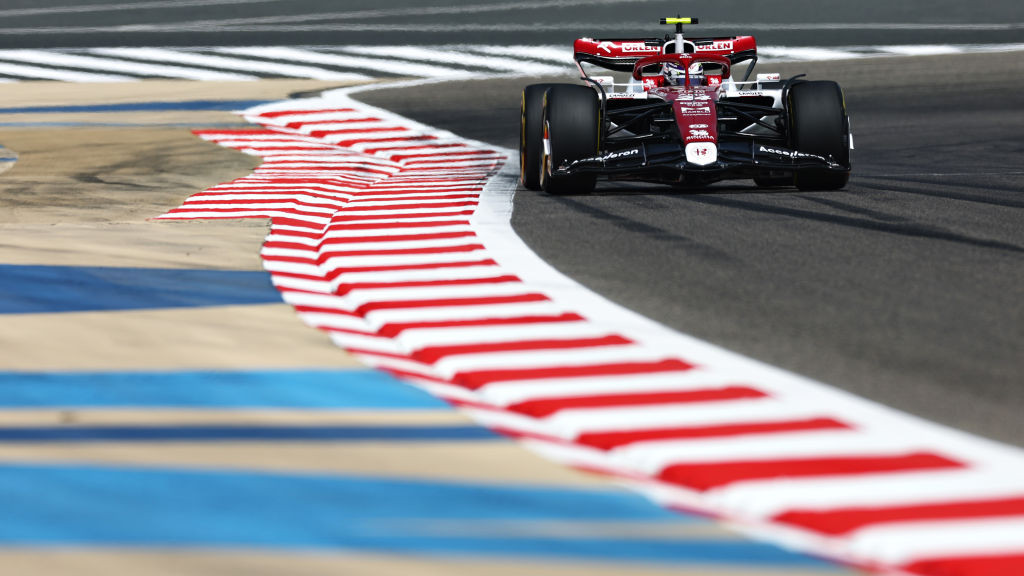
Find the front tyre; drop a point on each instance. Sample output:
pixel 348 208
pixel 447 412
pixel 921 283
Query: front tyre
pixel 531 135
pixel 818 125
pixel 571 131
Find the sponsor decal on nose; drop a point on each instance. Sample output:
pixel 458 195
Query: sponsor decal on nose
pixel 701 153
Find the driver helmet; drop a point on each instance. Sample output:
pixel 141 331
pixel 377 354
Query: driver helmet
pixel 697 74
pixel 675 74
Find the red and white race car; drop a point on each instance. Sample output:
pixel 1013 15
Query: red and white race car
pixel 682 117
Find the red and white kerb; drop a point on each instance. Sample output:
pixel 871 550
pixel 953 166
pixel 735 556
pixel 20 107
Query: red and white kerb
pixel 377 238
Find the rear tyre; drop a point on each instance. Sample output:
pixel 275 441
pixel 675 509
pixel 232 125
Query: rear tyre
pixel 572 128
pixel 531 135
pixel 818 125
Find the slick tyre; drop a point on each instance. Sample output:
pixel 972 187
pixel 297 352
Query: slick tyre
pixel 571 129
pixel 818 125
pixel 531 135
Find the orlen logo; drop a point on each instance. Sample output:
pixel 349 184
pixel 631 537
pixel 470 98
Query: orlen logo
pixel 625 47
pixel 699 134
pixel 717 46
pixel 629 47
pixel 714 80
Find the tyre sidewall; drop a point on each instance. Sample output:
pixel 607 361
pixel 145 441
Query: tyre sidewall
pixel 572 126
pixel 818 124
pixel 531 145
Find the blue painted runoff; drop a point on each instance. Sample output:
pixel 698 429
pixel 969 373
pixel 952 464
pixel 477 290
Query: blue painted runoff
pixel 60 505
pixel 316 389
pixel 44 289
pixel 245 433
pixel 188 105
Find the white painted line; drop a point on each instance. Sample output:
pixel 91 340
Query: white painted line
pixel 573 357
pixel 357 298
pixel 264 197
pixel 655 456
pixel 685 415
pixel 11 12
pixel 902 542
pixel 385 65
pixel 182 57
pixel 369 136
pixel 256 137
pixel 240 213
pixel 492 64
pixel 554 54
pixel 439 274
pixel 513 392
pixel 404 260
pixel 269 143
pixel 380 317
pixel 781 53
pixel 307 127
pixel 52 58
pixel 416 339
pixel 58 74
pixel 632 28
pixel 765 499
pixel 921 50
pixel 308 118
pixel 405 11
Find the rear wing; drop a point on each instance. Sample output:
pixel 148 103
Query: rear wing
pixel 622 54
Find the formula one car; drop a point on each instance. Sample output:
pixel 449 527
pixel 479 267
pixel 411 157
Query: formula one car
pixel 683 119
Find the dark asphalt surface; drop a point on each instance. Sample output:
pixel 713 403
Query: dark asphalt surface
pixel 70 24
pixel 905 287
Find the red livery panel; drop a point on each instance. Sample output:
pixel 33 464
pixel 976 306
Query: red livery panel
pixel 618 48
pixel 640 47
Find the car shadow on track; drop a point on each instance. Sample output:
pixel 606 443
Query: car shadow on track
pixel 649 189
pixel 823 207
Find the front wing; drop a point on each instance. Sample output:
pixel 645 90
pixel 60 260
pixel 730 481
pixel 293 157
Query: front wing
pixel 666 162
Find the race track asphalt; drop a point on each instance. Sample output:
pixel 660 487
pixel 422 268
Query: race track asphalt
pixel 905 287
pixel 59 23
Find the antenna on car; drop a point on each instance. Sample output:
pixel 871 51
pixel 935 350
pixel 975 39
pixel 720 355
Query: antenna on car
pixel 679 21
